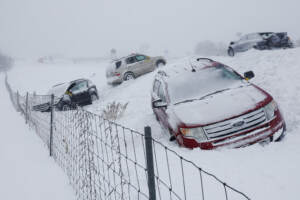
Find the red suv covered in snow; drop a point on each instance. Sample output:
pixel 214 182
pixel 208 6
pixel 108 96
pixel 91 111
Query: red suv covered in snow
pixel 209 105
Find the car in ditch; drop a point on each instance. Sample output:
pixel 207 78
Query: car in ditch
pixel 207 104
pixel 132 66
pixel 260 41
pixel 69 95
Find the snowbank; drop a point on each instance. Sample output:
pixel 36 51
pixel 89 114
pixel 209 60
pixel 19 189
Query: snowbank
pixel 269 172
pixel 27 172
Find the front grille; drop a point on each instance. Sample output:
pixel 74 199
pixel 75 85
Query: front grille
pixel 236 125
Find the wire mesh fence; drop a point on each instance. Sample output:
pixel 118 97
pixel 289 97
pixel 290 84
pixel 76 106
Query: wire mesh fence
pixel 105 160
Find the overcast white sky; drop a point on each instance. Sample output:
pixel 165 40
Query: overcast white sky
pixel 93 27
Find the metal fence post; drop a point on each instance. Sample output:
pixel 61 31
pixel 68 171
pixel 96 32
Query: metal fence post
pixel 150 165
pixel 26 109
pixel 51 124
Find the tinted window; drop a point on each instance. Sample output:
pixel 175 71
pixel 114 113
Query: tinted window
pixel 118 64
pixel 130 60
pixel 140 57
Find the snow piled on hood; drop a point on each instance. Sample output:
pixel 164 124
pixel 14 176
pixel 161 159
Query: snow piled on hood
pixel 220 106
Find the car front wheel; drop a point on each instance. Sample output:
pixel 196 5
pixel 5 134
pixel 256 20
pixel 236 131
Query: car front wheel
pixel 65 107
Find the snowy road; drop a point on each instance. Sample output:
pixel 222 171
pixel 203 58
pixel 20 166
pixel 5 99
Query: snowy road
pixel 269 172
pixel 26 170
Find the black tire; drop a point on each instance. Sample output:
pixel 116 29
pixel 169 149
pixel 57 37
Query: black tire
pixel 160 63
pixel 128 76
pixel 230 52
pixel 66 107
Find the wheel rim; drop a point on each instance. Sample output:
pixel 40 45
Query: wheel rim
pixel 129 77
pixel 65 108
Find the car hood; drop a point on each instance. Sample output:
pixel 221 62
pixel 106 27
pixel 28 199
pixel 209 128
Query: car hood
pixel 59 90
pixel 219 106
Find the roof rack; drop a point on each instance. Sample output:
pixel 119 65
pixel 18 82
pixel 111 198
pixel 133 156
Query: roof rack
pixel 198 59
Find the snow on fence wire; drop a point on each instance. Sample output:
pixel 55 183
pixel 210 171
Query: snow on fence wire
pixel 104 160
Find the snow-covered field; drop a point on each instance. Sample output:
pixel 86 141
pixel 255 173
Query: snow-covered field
pixel 26 170
pixel 262 172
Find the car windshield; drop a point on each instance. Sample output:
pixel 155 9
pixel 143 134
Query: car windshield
pixel 202 83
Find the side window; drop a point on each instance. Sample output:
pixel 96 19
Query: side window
pixel 140 57
pixel 130 60
pixel 156 86
pixel 118 64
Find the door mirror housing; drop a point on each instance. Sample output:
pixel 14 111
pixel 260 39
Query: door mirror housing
pixel 158 103
pixel 248 75
pixel 231 43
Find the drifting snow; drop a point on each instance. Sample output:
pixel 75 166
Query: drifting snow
pixel 269 172
pixel 26 170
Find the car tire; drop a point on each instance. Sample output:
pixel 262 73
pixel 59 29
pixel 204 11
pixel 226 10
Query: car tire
pixel 66 107
pixel 230 52
pixel 160 63
pixel 129 76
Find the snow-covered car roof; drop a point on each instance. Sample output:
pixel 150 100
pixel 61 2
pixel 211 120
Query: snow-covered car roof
pixel 172 71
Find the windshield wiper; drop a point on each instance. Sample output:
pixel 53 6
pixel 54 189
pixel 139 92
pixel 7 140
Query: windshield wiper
pixel 203 97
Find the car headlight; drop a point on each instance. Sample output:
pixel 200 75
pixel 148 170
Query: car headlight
pixel 270 109
pixel 196 133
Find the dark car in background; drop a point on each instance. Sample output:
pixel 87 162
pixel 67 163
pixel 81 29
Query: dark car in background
pixel 209 105
pixel 260 41
pixel 69 95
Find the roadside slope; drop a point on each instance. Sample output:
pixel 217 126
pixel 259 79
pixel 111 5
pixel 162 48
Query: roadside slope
pixel 26 170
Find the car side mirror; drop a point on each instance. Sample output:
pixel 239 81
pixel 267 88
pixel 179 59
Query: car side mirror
pixel 231 43
pixel 159 104
pixel 248 75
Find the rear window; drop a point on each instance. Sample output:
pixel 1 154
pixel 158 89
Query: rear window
pixel 118 64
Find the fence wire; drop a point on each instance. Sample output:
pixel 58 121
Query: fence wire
pixel 106 161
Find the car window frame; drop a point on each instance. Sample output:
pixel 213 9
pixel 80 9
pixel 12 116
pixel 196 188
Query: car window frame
pixel 126 60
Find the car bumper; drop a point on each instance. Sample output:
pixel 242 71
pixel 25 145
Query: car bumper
pixel 114 80
pixel 272 130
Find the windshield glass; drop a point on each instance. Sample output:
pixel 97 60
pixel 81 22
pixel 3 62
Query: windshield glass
pixel 194 85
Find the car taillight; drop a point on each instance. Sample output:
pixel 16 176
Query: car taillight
pixel 117 74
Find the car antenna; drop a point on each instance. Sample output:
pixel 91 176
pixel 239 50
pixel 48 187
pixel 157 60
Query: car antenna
pixel 193 67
